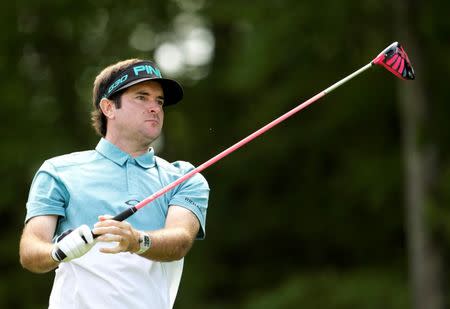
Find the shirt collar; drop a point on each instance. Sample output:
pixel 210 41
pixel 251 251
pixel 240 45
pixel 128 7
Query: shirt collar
pixel 146 160
pixel 115 154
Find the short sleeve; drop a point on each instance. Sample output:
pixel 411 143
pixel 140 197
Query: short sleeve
pixel 47 194
pixel 192 194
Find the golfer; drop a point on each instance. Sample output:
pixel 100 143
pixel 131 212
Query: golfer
pixel 131 264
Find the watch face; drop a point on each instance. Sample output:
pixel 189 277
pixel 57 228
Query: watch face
pixel 147 241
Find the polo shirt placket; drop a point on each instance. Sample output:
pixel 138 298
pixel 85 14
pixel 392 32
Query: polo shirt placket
pixel 132 174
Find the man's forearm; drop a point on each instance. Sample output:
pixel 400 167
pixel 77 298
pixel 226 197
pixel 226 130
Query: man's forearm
pixel 168 244
pixel 35 255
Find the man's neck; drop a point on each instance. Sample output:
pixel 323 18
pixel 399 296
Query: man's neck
pixel 133 148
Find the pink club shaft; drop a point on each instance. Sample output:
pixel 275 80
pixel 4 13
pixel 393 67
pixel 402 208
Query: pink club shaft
pixel 128 212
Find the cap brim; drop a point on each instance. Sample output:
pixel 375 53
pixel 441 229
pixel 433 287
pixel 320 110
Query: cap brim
pixel 173 91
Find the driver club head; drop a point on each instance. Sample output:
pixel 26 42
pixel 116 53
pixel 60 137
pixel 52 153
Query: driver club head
pixel 395 59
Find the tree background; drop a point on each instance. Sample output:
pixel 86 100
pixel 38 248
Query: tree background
pixel 315 213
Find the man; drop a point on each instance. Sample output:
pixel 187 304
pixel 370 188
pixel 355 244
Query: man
pixel 132 264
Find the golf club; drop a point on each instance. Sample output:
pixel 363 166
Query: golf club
pixel 393 58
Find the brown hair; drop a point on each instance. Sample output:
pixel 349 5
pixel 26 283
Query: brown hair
pixel 102 81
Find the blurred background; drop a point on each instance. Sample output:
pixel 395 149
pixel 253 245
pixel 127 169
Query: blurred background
pixel 345 205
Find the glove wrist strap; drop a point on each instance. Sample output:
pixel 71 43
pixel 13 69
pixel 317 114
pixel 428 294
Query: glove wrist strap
pixel 54 255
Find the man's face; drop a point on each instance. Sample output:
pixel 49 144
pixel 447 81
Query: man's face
pixel 141 115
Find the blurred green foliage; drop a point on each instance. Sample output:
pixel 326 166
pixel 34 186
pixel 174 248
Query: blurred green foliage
pixel 310 215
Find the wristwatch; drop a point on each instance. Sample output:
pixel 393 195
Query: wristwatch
pixel 145 242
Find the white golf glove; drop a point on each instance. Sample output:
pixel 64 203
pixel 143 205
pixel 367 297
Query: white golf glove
pixel 73 244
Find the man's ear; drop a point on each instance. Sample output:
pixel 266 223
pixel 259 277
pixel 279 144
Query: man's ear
pixel 108 108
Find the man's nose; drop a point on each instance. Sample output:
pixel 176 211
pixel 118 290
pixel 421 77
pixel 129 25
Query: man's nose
pixel 154 106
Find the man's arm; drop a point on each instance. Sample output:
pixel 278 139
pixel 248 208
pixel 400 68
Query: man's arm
pixel 176 239
pixel 171 243
pixel 36 244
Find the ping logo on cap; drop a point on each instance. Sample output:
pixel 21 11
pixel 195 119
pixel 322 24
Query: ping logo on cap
pixel 147 69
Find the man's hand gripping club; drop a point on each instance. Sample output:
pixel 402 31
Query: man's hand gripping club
pixel 73 243
pixel 127 238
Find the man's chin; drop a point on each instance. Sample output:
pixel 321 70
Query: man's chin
pixel 150 137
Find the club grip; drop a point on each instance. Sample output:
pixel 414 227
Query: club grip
pixel 125 214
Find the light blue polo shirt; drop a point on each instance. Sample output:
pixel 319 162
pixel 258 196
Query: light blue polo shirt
pixel 80 186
